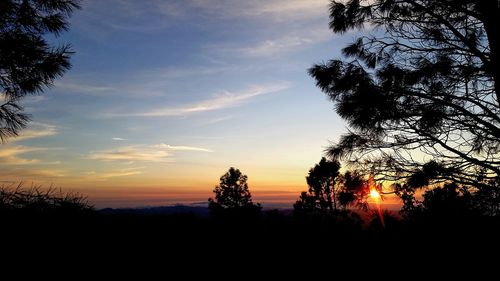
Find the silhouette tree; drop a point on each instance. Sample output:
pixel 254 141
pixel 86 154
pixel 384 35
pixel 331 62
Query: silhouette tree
pixel 306 204
pixel 423 82
pixel 28 63
pixel 322 184
pixel 330 191
pixel 354 190
pixel 450 199
pixel 232 194
pixel 447 203
pixel 487 200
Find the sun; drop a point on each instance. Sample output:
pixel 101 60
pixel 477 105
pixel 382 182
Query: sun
pixel 374 193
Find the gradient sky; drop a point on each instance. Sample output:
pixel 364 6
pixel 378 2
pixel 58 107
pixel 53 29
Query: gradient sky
pixel 165 96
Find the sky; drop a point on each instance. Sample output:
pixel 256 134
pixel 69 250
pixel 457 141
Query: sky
pixel 164 96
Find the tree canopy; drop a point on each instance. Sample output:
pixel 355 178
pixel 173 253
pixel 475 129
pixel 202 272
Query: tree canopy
pixel 232 193
pixel 28 63
pixel 419 89
pixel 322 183
pixel 330 191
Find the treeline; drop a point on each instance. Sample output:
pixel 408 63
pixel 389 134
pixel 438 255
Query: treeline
pixel 333 215
pixel 330 194
pixel 445 218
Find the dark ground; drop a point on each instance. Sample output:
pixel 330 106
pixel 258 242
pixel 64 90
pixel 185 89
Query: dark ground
pixel 273 235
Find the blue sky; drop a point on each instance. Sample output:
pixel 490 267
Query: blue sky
pixel 164 96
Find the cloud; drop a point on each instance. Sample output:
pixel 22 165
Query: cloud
pixel 275 45
pixel 216 120
pixel 284 44
pixel 73 86
pixel 10 155
pixel 271 47
pixel 269 10
pixel 182 148
pixel 36 130
pixel 118 139
pixel 17 174
pixel 222 100
pixel 173 73
pixel 51 173
pixel 33 99
pixel 143 153
pixel 155 15
pixel 287 8
pixel 132 153
pixel 120 173
pixel 114 173
pixel 132 16
pixel 150 82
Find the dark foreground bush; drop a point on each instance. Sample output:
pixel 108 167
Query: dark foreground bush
pixel 36 200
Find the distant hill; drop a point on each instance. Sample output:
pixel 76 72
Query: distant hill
pixel 161 210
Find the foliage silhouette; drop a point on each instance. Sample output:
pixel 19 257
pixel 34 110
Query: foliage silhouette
pixel 329 191
pixel 270 234
pixel 322 186
pixel 482 200
pixel 487 200
pixel 232 196
pixel 354 191
pixel 449 202
pixel 425 79
pixel 28 63
pixel 36 200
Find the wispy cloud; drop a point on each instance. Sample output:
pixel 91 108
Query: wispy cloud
pixel 274 45
pixel 18 174
pixel 269 10
pixel 36 130
pixel 170 73
pixel 114 173
pixel 182 148
pixel 74 86
pixel 154 15
pixel 134 16
pixel 14 154
pixel 143 153
pixel 34 99
pixel 219 101
pixel 290 8
pixel 285 44
pixel 118 139
pixel 51 173
pixel 216 120
pixel 11 155
pixel 150 82
pixel 132 153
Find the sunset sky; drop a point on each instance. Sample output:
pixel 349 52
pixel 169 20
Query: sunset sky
pixel 165 96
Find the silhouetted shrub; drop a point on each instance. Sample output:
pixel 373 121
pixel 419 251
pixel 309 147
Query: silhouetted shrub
pixel 36 200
